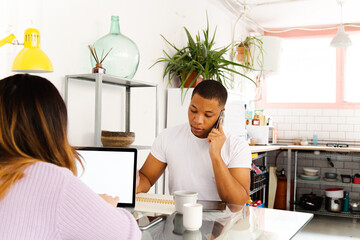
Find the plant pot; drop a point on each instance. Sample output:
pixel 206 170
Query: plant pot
pixel 240 56
pixel 191 79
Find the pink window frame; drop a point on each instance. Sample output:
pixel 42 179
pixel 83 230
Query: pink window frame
pixel 340 55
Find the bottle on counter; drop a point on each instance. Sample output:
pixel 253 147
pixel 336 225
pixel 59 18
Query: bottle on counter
pixel 315 140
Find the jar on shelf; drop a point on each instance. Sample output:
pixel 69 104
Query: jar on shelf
pixel 123 59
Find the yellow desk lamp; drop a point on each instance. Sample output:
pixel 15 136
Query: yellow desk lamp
pixel 31 58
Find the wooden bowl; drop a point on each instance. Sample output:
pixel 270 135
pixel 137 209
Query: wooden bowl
pixel 117 139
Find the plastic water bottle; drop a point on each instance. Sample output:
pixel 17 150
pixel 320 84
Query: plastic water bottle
pixel 315 140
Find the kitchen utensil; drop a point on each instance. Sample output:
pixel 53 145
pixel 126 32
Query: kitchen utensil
pixel 345 178
pixel 304 142
pixel 310 171
pixel 356 178
pixel 355 205
pixel 310 202
pixel 312 178
pixel 334 192
pixel 330 175
pixel 334 204
pixel 330 162
pixel 330 179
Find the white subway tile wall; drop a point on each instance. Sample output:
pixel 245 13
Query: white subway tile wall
pixel 330 125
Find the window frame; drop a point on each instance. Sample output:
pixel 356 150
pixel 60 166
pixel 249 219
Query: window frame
pixel 340 74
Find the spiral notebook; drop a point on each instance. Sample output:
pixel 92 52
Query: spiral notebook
pixel 155 203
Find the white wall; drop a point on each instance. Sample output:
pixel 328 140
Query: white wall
pixel 67 27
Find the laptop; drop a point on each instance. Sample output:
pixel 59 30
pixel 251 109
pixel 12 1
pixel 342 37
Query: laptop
pixel 111 171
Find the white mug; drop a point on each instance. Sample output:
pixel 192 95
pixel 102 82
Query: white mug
pixel 183 197
pixel 192 216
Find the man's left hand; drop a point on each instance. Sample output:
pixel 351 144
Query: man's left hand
pixel 216 138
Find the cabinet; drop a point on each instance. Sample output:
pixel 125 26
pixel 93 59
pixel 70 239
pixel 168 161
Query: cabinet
pixel 99 79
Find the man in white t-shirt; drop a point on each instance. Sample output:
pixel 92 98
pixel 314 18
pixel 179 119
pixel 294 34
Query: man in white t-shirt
pixel 199 156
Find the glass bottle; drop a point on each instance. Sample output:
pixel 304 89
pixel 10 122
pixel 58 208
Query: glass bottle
pixel 315 140
pixel 123 59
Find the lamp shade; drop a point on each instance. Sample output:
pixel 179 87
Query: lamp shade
pixel 32 58
pixel 341 39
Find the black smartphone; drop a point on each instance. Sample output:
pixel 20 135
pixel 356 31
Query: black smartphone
pixel 146 222
pixel 221 116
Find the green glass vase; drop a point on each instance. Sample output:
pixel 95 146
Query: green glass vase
pixel 123 59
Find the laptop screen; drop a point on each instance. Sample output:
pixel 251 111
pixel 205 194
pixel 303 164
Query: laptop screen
pixel 111 171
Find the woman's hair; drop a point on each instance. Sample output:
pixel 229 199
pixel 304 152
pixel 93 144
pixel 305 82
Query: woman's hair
pixel 33 127
pixel 211 89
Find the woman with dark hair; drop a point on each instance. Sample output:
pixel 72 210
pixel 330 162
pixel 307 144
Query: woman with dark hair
pixel 40 195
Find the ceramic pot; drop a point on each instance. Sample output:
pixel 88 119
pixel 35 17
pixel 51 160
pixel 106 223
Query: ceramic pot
pixel 189 82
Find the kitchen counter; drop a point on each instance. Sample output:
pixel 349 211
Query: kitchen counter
pixel 320 148
pixel 236 222
pixel 268 148
pixel 257 149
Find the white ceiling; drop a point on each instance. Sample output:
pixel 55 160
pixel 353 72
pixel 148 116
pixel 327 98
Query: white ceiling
pixel 296 13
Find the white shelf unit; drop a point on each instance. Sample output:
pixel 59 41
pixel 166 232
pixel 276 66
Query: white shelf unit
pixel 99 79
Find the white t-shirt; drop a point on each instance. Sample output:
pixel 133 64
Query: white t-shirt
pixel 189 162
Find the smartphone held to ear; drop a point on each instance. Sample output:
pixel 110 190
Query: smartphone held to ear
pixel 221 117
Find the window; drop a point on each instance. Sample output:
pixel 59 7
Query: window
pixel 314 75
pixel 352 75
pixel 307 73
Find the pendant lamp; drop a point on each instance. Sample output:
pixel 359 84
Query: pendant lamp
pixel 341 39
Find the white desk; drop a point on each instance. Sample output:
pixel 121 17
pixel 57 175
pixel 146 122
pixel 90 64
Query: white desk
pixel 254 223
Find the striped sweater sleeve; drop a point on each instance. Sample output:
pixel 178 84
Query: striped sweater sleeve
pixel 82 214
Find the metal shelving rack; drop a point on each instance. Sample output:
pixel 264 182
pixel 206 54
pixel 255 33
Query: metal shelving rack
pixel 255 190
pixel 323 182
pixel 100 79
pixel 322 210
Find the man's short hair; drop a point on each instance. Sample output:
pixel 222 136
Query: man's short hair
pixel 210 89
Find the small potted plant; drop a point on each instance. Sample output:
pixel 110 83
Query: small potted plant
pixel 246 51
pixel 199 58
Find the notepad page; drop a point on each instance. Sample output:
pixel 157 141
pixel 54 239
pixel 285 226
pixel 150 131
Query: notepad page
pixel 155 203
